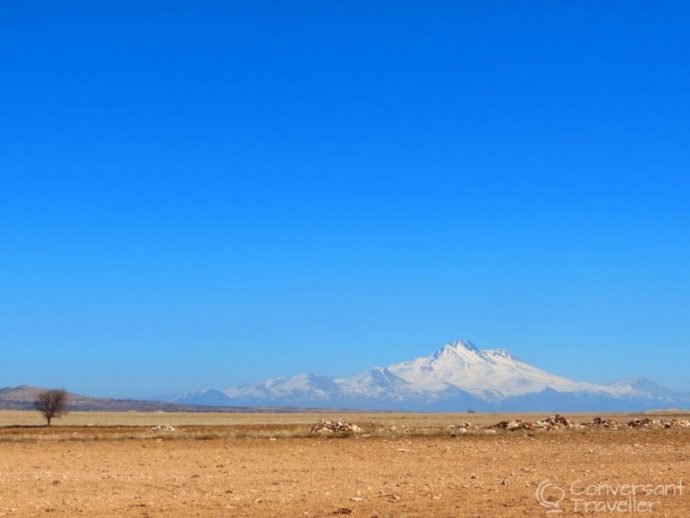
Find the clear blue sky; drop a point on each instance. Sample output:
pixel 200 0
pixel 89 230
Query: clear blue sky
pixel 199 194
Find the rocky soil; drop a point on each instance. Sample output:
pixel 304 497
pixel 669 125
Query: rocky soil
pixel 469 475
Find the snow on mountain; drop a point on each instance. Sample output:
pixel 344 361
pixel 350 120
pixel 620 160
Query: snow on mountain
pixel 643 387
pixel 456 377
pixel 489 374
pixel 379 382
pixel 303 387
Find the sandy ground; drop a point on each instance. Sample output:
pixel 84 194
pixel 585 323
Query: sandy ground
pixel 472 475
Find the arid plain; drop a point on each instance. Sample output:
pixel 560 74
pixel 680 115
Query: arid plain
pixel 159 464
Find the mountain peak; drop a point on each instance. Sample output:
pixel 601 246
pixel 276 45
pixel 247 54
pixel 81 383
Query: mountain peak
pixel 460 346
pixel 466 344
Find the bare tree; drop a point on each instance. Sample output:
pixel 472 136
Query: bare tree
pixel 51 403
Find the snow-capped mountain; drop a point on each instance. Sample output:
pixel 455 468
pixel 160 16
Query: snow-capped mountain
pixel 489 374
pixel 457 377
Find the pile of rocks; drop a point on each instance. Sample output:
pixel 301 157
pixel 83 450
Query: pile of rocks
pixel 603 422
pixel 678 423
pixel 516 424
pixel 647 423
pixel 461 428
pixel 331 427
pixel 556 422
pixel 644 422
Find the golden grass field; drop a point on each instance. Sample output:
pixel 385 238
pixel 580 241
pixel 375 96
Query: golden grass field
pixel 114 464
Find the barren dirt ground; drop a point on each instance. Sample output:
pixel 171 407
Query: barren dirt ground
pixel 490 475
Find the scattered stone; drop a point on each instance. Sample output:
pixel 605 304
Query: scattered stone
pixel 163 428
pixel 461 428
pixel 342 510
pixel 331 427
pixel 466 425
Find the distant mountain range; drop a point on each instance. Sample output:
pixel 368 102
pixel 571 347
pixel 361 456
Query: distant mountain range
pixel 23 397
pixel 457 377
